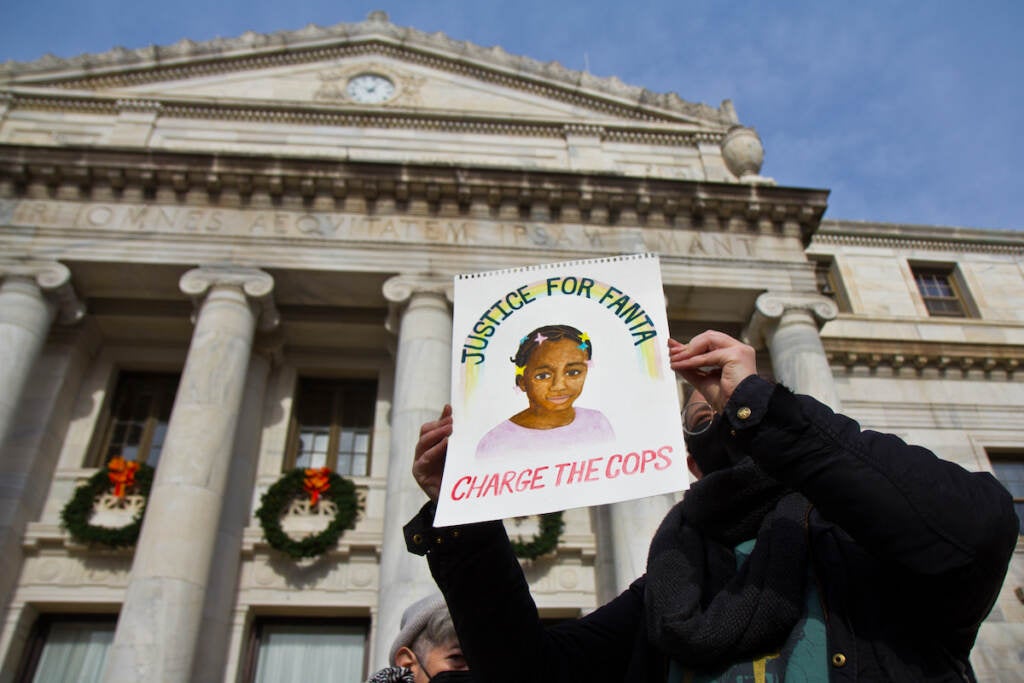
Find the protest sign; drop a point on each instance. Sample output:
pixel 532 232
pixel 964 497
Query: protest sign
pixel 562 394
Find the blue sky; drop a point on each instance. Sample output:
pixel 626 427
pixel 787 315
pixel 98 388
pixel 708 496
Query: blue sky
pixel 909 112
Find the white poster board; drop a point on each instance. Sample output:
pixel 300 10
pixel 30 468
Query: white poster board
pixel 562 394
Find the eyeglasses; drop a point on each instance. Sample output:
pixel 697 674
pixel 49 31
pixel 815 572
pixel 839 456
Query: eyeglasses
pixel 697 417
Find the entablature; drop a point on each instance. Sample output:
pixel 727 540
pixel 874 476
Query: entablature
pixel 241 181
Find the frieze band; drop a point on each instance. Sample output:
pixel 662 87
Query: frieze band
pixel 339 226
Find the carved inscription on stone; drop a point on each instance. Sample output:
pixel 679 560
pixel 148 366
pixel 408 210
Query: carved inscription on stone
pixel 351 227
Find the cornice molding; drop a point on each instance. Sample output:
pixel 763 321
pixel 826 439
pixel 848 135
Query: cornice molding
pixel 974 243
pixel 850 355
pixel 923 237
pixel 324 114
pixel 62 102
pixel 233 181
pixel 187 59
pixel 364 118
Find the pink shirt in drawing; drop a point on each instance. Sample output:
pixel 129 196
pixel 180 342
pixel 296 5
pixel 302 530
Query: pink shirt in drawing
pixel 588 427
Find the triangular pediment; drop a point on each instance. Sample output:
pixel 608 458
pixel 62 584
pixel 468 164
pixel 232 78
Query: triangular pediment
pixel 427 74
pixel 411 87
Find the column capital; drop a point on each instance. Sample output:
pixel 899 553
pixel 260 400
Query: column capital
pixel 771 306
pixel 399 290
pixel 53 279
pixel 256 284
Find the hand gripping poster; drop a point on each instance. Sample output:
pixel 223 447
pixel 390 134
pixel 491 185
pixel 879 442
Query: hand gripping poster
pixel 562 394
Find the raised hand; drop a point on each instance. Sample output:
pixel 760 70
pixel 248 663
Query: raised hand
pixel 431 451
pixel 714 363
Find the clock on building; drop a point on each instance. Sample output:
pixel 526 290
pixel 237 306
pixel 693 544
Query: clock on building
pixel 370 88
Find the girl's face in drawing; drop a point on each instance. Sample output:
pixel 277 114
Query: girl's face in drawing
pixel 554 375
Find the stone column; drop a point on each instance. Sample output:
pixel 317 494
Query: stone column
pixel 158 628
pixel 422 319
pixel 632 525
pixel 32 295
pixel 222 591
pixel 788 324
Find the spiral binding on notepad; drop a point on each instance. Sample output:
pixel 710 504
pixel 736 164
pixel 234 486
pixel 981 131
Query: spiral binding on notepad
pixel 566 264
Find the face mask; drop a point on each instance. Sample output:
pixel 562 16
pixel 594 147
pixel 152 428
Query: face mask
pixel 708 447
pixel 446 676
pixel 453 677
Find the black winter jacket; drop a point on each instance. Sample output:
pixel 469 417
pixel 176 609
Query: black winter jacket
pixel 909 553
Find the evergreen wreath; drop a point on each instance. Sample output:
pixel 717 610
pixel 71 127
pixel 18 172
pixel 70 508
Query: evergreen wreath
pixel 78 511
pixel 273 503
pixel 551 526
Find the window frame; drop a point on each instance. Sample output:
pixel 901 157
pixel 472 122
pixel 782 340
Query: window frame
pixel 827 275
pixel 38 634
pixel 337 386
pixel 99 456
pixel 1002 455
pixel 254 637
pixel 950 273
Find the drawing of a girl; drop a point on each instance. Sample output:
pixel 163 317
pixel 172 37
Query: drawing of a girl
pixel 551 368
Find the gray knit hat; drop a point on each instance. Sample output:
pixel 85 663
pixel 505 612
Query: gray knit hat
pixel 414 620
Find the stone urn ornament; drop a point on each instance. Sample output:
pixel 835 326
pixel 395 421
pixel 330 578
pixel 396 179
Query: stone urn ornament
pixel 743 153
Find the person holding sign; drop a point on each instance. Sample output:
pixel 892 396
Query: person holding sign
pixel 551 368
pixel 587 339
pixel 808 550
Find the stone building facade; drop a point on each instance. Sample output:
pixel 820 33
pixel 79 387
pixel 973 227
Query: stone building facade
pixel 262 233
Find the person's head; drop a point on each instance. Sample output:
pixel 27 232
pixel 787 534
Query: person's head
pixel 551 366
pixel 705 446
pixel 427 643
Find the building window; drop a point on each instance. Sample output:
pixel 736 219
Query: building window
pixel 139 412
pixel 331 425
pixel 1009 470
pixel 828 281
pixel 68 649
pixel 823 277
pixel 307 650
pixel 939 292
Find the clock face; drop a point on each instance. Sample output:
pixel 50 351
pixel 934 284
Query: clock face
pixel 370 89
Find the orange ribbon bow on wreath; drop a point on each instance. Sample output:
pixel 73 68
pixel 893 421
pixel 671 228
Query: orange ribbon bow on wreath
pixel 121 473
pixel 317 482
